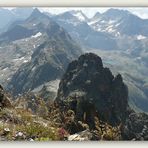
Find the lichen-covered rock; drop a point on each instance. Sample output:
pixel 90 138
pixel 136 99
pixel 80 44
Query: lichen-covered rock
pixel 91 90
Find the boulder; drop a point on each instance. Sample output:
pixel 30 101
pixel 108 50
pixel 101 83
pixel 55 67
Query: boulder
pixel 81 136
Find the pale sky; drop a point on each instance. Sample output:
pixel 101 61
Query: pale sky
pixel 90 11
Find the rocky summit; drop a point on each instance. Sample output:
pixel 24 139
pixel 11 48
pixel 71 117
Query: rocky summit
pixel 90 89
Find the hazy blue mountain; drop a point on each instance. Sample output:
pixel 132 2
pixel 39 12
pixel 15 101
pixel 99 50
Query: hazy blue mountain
pixel 114 29
pixel 80 30
pixel 35 23
pixel 49 59
pixel 9 16
pixel 122 21
pixel 21 12
pixel 6 16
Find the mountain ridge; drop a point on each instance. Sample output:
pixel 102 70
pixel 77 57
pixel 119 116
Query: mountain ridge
pixel 49 59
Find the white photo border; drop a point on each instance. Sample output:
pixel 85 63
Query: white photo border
pixel 74 3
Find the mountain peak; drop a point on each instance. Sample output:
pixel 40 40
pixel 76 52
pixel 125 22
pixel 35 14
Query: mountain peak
pixel 38 16
pixel 76 15
pixel 116 12
pixel 36 13
pixel 79 14
pixel 75 11
pixel 97 14
pixel 66 15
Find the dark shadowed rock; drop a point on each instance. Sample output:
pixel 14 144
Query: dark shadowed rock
pixel 91 90
pixel 4 100
pixel 135 127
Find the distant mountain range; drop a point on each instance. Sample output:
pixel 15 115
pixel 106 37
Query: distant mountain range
pixel 35 48
pixel 112 27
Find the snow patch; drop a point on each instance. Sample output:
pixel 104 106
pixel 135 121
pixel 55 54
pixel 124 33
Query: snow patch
pixel 36 35
pixel 92 22
pixel 99 29
pixel 117 25
pixel 102 21
pixel 141 37
pixel 74 23
pixel 5 69
pixel 85 65
pixel 117 34
pixel 25 61
pixel 111 21
pixel 80 16
pixel 19 59
pixel 139 58
pixel 8 79
pixel 33 68
pixel 110 29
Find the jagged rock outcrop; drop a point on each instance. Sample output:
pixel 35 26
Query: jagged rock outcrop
pixel 4 100
pixel 91 90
